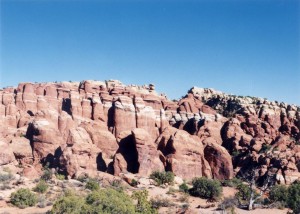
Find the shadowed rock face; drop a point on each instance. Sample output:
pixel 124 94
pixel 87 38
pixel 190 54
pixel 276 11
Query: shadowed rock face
pixel 107 126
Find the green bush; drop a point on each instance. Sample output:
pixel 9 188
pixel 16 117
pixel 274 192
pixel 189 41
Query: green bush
pixel 117 184
pixel 235 153
pixel 162 177
pixel 293 198
pixel 60 177
pixel 47 175
pixel 206 188
pixel 265 148
pixel 281 196
pixel 278 193
pixel 134 183
pixel 41 187
pixel 6 177
pixel 109 201
pixel 184 187
pixel 143 206
pixel 92 185
pixel 244 192
pixel 23 198
pixel 104 201
pixel 69 204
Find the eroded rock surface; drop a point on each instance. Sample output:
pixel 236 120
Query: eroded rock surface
pixel 90 126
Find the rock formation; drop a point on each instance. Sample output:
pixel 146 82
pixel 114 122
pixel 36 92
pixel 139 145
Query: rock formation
pixel 106 126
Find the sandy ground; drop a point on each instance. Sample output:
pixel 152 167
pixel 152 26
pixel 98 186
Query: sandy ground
pixel 29 210
pixel 262 211
pixel 176 199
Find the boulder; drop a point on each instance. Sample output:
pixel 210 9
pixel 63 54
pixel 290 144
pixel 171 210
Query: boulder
pixel 149 158
pixel 219 159
pixel 80 155
pixel 184 154
pixel 102 138
pixel 137 153
pixel 46 140
pixel 21 149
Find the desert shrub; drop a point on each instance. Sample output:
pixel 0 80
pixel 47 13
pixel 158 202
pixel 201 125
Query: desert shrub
pixel 60 177
pixel 92 185
pixel 293 197
pixel 6 177
pixel 265 148
pixel 117 185
pixel 23 198
pixel 41 201
pixel 228 204
pixel 184 187
pixel 160 202
pixel 278 193
pixel 235 153
pixel 162 177
pixel 82 178
pixel 47 174
pixel 41 187
pixel 234 182
pixel 277 205
pixel 184 207
pixel 281 197
pixel 69 204
pixel 206 188
pixel 134 183
pixel 143 206
pixel 109 201
pixel 244 192
pixel 172 191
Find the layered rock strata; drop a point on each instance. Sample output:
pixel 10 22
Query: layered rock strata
pixel 107 126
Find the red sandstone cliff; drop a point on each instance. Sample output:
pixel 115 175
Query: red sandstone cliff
pixel 106 126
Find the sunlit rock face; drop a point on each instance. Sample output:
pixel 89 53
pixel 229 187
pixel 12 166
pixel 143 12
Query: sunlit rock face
pixel 90 126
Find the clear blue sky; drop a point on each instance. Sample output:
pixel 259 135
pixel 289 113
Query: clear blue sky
pixel 240 47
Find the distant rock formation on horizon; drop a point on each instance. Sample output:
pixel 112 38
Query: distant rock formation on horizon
pixel 92 126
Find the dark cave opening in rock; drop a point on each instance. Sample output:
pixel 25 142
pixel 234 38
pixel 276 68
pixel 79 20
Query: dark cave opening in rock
pixel 101 165
pixel 31 131
pixel 166 147
pixel 168 166
pixel 66 106
pixel 190 126
pixel 30 113
pixel 52 160
pixel 128 150
pixel 110 117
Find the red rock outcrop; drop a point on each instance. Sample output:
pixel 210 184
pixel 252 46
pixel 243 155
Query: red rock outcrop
pixel 124 115
pixel 219 159
pixel 79 154
pixel 137 153
pixel 6 154
pixel 107 126
pixel 183 153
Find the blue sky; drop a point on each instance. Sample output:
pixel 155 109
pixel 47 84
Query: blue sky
pixel 240 47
